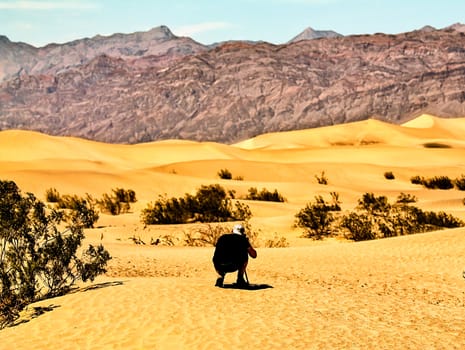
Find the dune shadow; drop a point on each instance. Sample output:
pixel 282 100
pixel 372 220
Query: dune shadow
pixel 251 286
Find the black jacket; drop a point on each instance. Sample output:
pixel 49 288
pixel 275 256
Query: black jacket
pixel 231 248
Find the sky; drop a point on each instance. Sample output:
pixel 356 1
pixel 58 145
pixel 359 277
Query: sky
pixel 39 22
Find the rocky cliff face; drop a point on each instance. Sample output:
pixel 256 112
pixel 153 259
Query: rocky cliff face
pixel 239 90
pixel 158 44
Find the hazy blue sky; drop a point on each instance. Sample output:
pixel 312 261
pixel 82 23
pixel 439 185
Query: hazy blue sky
pixel 39 22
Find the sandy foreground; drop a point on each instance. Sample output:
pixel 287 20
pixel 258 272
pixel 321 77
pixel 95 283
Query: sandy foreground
pixel 400 293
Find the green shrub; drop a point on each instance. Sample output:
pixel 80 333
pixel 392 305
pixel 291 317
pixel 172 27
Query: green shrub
pixel 206 235
pixel 316 218
pixel 322 179
pixel 277 242
pixel 405 198
pixel 82 209
pixel 373 204
pixel 210 204
pixel 52 195
pixel 379 219
pixel 118 203
pixel 389 175
pixel 360 226
pixel 439 182
pixel 416 180
pixel 460 183
pixel 36 259
pixel 124 196
pixel 225 174
pixel 264 195
pixel 166 211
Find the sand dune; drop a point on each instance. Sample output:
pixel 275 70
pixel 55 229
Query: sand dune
pixel 400 293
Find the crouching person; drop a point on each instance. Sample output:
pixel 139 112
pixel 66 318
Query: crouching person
pixel 232 254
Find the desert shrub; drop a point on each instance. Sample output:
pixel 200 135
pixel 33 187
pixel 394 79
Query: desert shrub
pixel 210 204
pixel 322 179
pixel 36 259
pixel 316 218
pixel 438 182
pixel 440 219
pixel 52 195
pixel 460 183
pixel 166 211
pixel 166 240
pixel 225 174
pixel 118 202
pixel 207 235
pixel 374 205
pixel 360 226
pixel 405 198
pixel 264 195
pixel 389 175
pixel 124 196
pixel 239 178
pixel 416 180
pixel 277 242
pixel 81 209
pixel 376 218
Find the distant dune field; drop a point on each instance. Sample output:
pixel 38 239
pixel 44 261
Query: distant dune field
pixel 399 293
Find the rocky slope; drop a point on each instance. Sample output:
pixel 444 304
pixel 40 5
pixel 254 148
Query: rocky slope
pixel 239 90
pixel 157 45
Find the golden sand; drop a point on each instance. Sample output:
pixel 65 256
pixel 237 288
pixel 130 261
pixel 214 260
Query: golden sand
pixel 399 293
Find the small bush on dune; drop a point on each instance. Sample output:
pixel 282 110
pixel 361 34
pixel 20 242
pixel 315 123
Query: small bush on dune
pixel 389 175
pixel 416 180
pixel 206 235
pixel 316 218
pixel 460 183
pixel 264 195
pixel 359 226
pixel 405 198
pixel 118 202
pixel 52 195
pixel 225 174
pixel 81 209
pixel 439 182
pixel 322 179
pixel 277 242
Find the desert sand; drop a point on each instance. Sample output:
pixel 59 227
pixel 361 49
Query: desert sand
pixel 399 293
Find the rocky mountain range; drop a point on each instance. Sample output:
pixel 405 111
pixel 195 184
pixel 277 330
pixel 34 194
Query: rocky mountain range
pixel 130 88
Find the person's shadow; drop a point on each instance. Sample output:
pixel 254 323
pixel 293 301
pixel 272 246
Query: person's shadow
pixel 251 286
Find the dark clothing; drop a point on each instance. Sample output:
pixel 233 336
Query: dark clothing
pixel 231 252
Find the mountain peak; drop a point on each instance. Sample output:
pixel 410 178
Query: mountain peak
pixel 310 34
pixel 459 27
pixel 161 32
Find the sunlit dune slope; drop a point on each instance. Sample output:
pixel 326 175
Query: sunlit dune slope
pixel 398 293
pixel 352 156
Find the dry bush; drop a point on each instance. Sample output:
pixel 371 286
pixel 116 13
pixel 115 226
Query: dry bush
pixel 277 242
